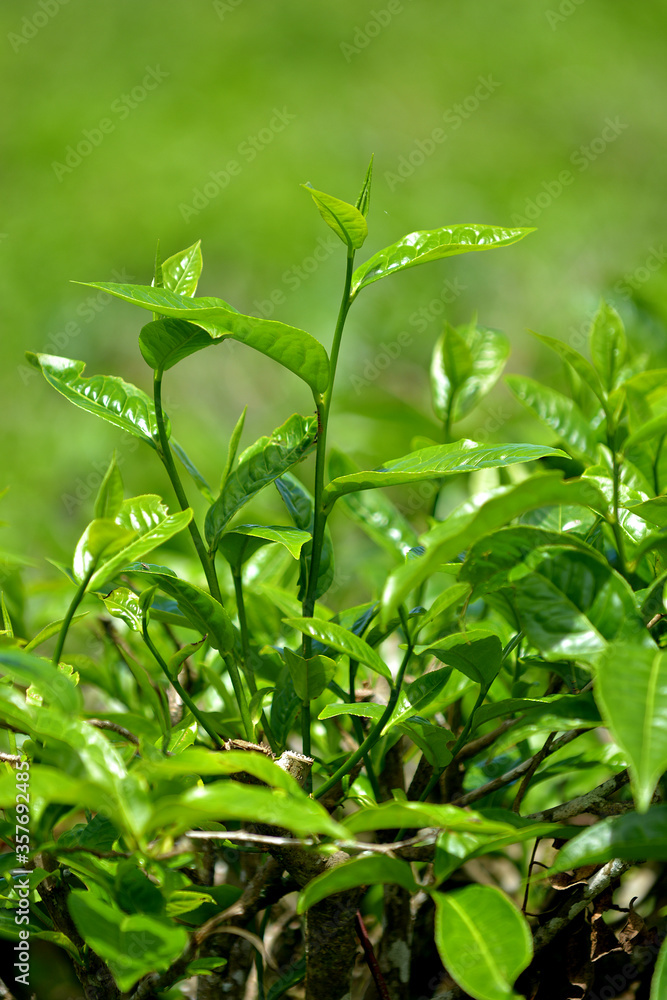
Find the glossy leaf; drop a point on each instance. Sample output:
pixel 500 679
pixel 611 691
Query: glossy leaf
pixel 341 639
pixel 372 870
pixel 608 345
pixel 571 604
pixel 141 525
pixel 239 545
pixel 440 460
pixel 655 428
pixel 107 396
pixel 446 540
pixel 632 837
pixel 467 362
pixel 374 512
pixel 418 815
pixel 292 348
pixel 309 676
pixel 165 342
pixel 417 696
pixel 262 463
pixel 180 273
pixel 476 653
pixel 225 800
pixel 347 222
pixel 421 247
pixel 203 611
pixel 560 413
pixel 113 935
pixel 233 447
pixel 300 505
pixel 631 691
pixel 483 940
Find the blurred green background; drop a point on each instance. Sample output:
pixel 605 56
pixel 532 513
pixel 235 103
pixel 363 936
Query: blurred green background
pixel 128 122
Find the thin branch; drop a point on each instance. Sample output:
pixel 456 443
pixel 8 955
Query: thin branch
pixel 115 728
pixel 591 802
pixel 10 758
pixel 515 773
pixel 528 776
pixel 371 958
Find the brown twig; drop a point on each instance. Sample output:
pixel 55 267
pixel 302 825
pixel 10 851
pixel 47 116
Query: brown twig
pixel 591 802
pixel 371 958
pixel 528 776
pixel 114 728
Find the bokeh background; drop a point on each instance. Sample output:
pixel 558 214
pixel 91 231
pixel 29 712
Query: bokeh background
pixel 125 123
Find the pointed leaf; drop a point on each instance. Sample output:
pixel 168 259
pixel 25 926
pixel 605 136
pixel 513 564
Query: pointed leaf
pixel 309 676
pixel 192 471
pixel 560 413
pixel 420 247
pixel 440 460
pixel 376 514
pixel 363 202
pixel 631 691
pixel 258 466
pixel 340 639
pixel 203 611
pixel 54 686
pixel 632 837
pixel 107 396
pixel 373 870
pixel 608 345
pixel 578 362
pixel 239 545
pixel 165 342
pixel 347 222
pixel 483 940
pixel 292 348
pixel 110 494
pixel 181 272
pixel 476 653
pixel 447 540
pixel 467 362
pixel 233 447
pixel 419 815
pixel 659 981
pixel 657 427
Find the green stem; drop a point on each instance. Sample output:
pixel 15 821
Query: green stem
pixel 175 479
pixel 245 646
pixel 241 699
pixel 374 734
pixel 177 686
pixel 323 410
pixel 67 620
pixel 615 524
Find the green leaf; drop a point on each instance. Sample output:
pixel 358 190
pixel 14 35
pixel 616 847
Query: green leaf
pixel 632 837
pixel 363 202
pixel 233 447
pixel 134 891
pixel 372 870
pixel 608 345
pixel 107 396
pixel 53 628
pixel 560 413
pixel 110 494
pixel 347 222
pixel 483 940
pixel 420 247
pixel 571 604
pixel 657 427
pixel 203 611
pixel 54 686
pixel 659 981
pixel 292 348
pixel 165 342
pixel 181 272
pixel 418 815
pixel 262 463
pixel 631 691
pixel 239 545
pixel 375 513
pixel 113 935
pixel 440 460
pixel 578 362
pixel 309 676
pixel 141 525
pixel 340 639
pixel 192 471
pixel 300 505
pixel 363 709
pixel 476 653
pixel 230 800
pixel 467 362
pixel 473 521
pixel 434 741
pixel 417 696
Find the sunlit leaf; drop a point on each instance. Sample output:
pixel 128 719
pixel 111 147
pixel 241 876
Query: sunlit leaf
pixel 180 273
pixel 165 342
pixel 347 222
pixel 373 870
pixel 342 640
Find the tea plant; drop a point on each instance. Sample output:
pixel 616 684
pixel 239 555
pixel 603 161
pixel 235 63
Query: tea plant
pixel 245 785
